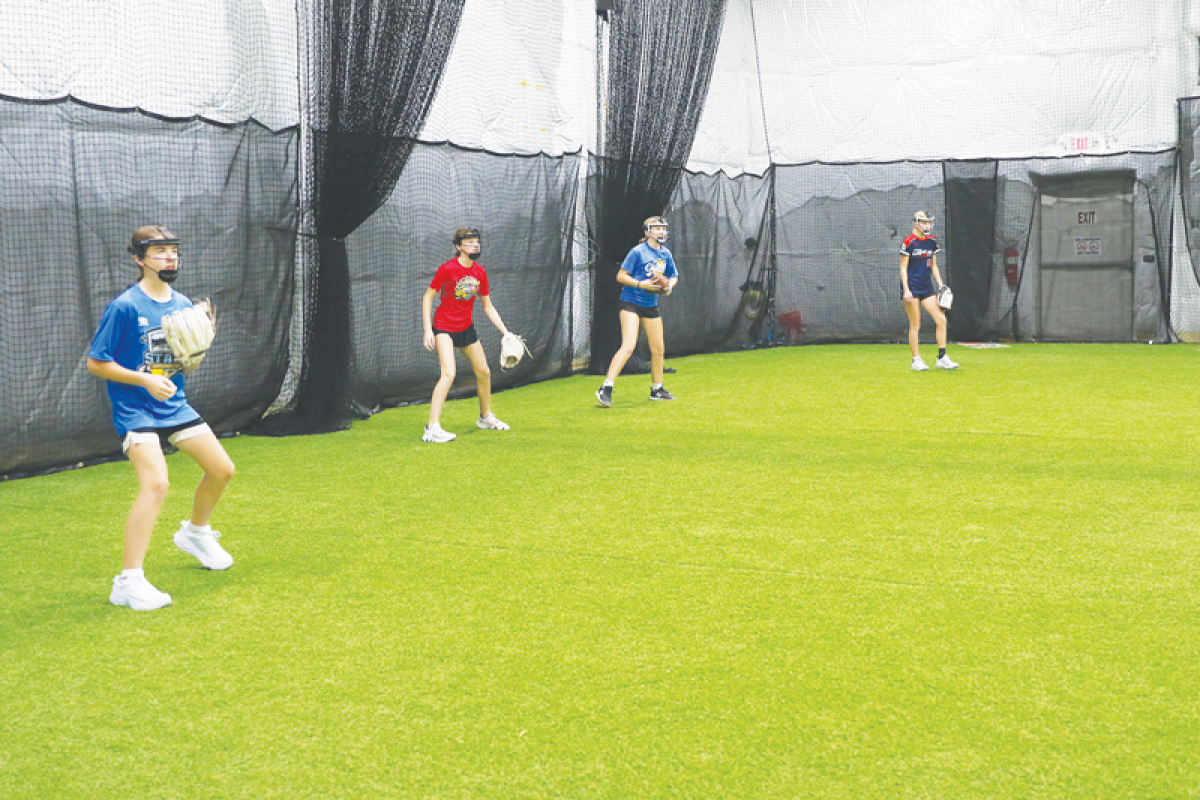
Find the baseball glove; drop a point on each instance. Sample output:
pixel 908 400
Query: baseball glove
pixel 189 332
pixel 512 350
pixel 945 297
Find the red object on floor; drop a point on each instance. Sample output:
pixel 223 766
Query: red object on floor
pixel 791 325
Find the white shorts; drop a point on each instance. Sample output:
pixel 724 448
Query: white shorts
pixel 174 435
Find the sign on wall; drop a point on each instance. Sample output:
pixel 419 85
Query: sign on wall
pixel 1086 220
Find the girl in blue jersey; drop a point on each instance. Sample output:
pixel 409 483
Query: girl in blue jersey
pixel 919 284
pixel 145 386
pixel 647 272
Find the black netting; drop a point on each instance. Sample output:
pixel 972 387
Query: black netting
pixel 523 206
pixel 806 253
pixel 717 228
pixel 660 58
pixel 75 182
pixel 839 229
pixel 970 232
pixel 819 253
pixel 373 69
pixel 1189 189
pixel 1028 307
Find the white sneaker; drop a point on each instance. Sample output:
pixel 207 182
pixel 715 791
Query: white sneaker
pixel 138 594
pixel 919 364
pixel 491 423
pixel 944 362
pixel 202 543
pixel 434 433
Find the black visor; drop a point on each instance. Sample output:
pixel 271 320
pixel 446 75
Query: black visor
pixel 471 234
pixel 140 248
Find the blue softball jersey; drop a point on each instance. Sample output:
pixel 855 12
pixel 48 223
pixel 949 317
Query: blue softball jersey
pixel 131 335
pixel 643 263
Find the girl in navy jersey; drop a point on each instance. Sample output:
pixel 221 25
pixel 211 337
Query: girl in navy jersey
pixel 647 272
pixel 150 408
pixel 919 284
pixel 459 281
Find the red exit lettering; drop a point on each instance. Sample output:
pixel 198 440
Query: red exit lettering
pixel 1087 217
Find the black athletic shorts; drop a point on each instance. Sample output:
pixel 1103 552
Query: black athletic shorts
pixel 917 297
pixel 167 437
pixel 464 338
pixel 645 312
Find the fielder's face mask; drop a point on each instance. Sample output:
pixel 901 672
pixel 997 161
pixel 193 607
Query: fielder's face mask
pixel 465 243
pixel 923 222
pixel 166 252
pixel 657 227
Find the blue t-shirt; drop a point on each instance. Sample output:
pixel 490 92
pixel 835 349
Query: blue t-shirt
pixel 643 263
pixel 131 335
pixel 920 254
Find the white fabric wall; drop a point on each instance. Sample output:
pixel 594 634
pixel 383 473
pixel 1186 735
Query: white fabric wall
pixel 843 80
pixel 850 80
pixel 224 60
pixel 521 78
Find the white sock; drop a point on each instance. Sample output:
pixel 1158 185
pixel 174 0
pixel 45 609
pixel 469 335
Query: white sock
pixel 655 386
pixel 197 529
pixel 607 383
pixel 133 573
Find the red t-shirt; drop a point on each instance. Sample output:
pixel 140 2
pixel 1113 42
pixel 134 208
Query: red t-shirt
pixel 459 285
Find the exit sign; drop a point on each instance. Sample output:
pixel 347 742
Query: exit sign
pixel 1084 142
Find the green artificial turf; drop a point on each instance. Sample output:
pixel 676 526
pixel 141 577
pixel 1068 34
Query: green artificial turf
pixel 816 574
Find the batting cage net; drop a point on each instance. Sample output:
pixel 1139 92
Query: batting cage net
pixel 1069 249
pixel 1185 293
pixel 316 157
pixel 524 209
pixel 658 60
pixel 76 182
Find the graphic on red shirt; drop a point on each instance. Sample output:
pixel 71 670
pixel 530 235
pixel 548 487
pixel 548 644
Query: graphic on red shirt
pixel 466 288
pixel 459 286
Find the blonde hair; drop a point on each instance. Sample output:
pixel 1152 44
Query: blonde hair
pixel 656 221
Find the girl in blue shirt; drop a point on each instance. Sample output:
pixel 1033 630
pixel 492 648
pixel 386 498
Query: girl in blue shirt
pixel 647 272
pixel 145 386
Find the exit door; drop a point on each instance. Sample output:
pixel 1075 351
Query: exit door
pixel 1086 261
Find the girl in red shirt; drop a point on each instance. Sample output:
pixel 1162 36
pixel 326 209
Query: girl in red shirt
pixel 459 281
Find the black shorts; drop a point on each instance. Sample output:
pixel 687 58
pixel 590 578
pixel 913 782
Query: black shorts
pixel 167 437
pixel 464 338
pixel 916 296
pixel 645 312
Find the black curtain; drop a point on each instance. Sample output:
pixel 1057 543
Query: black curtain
pixel 374 68
pixel 661 57
pixel 1189 183
pixel 970 232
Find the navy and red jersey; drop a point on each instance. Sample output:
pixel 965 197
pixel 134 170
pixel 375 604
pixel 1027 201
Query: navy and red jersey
pixel 920 254
pixel 459 286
